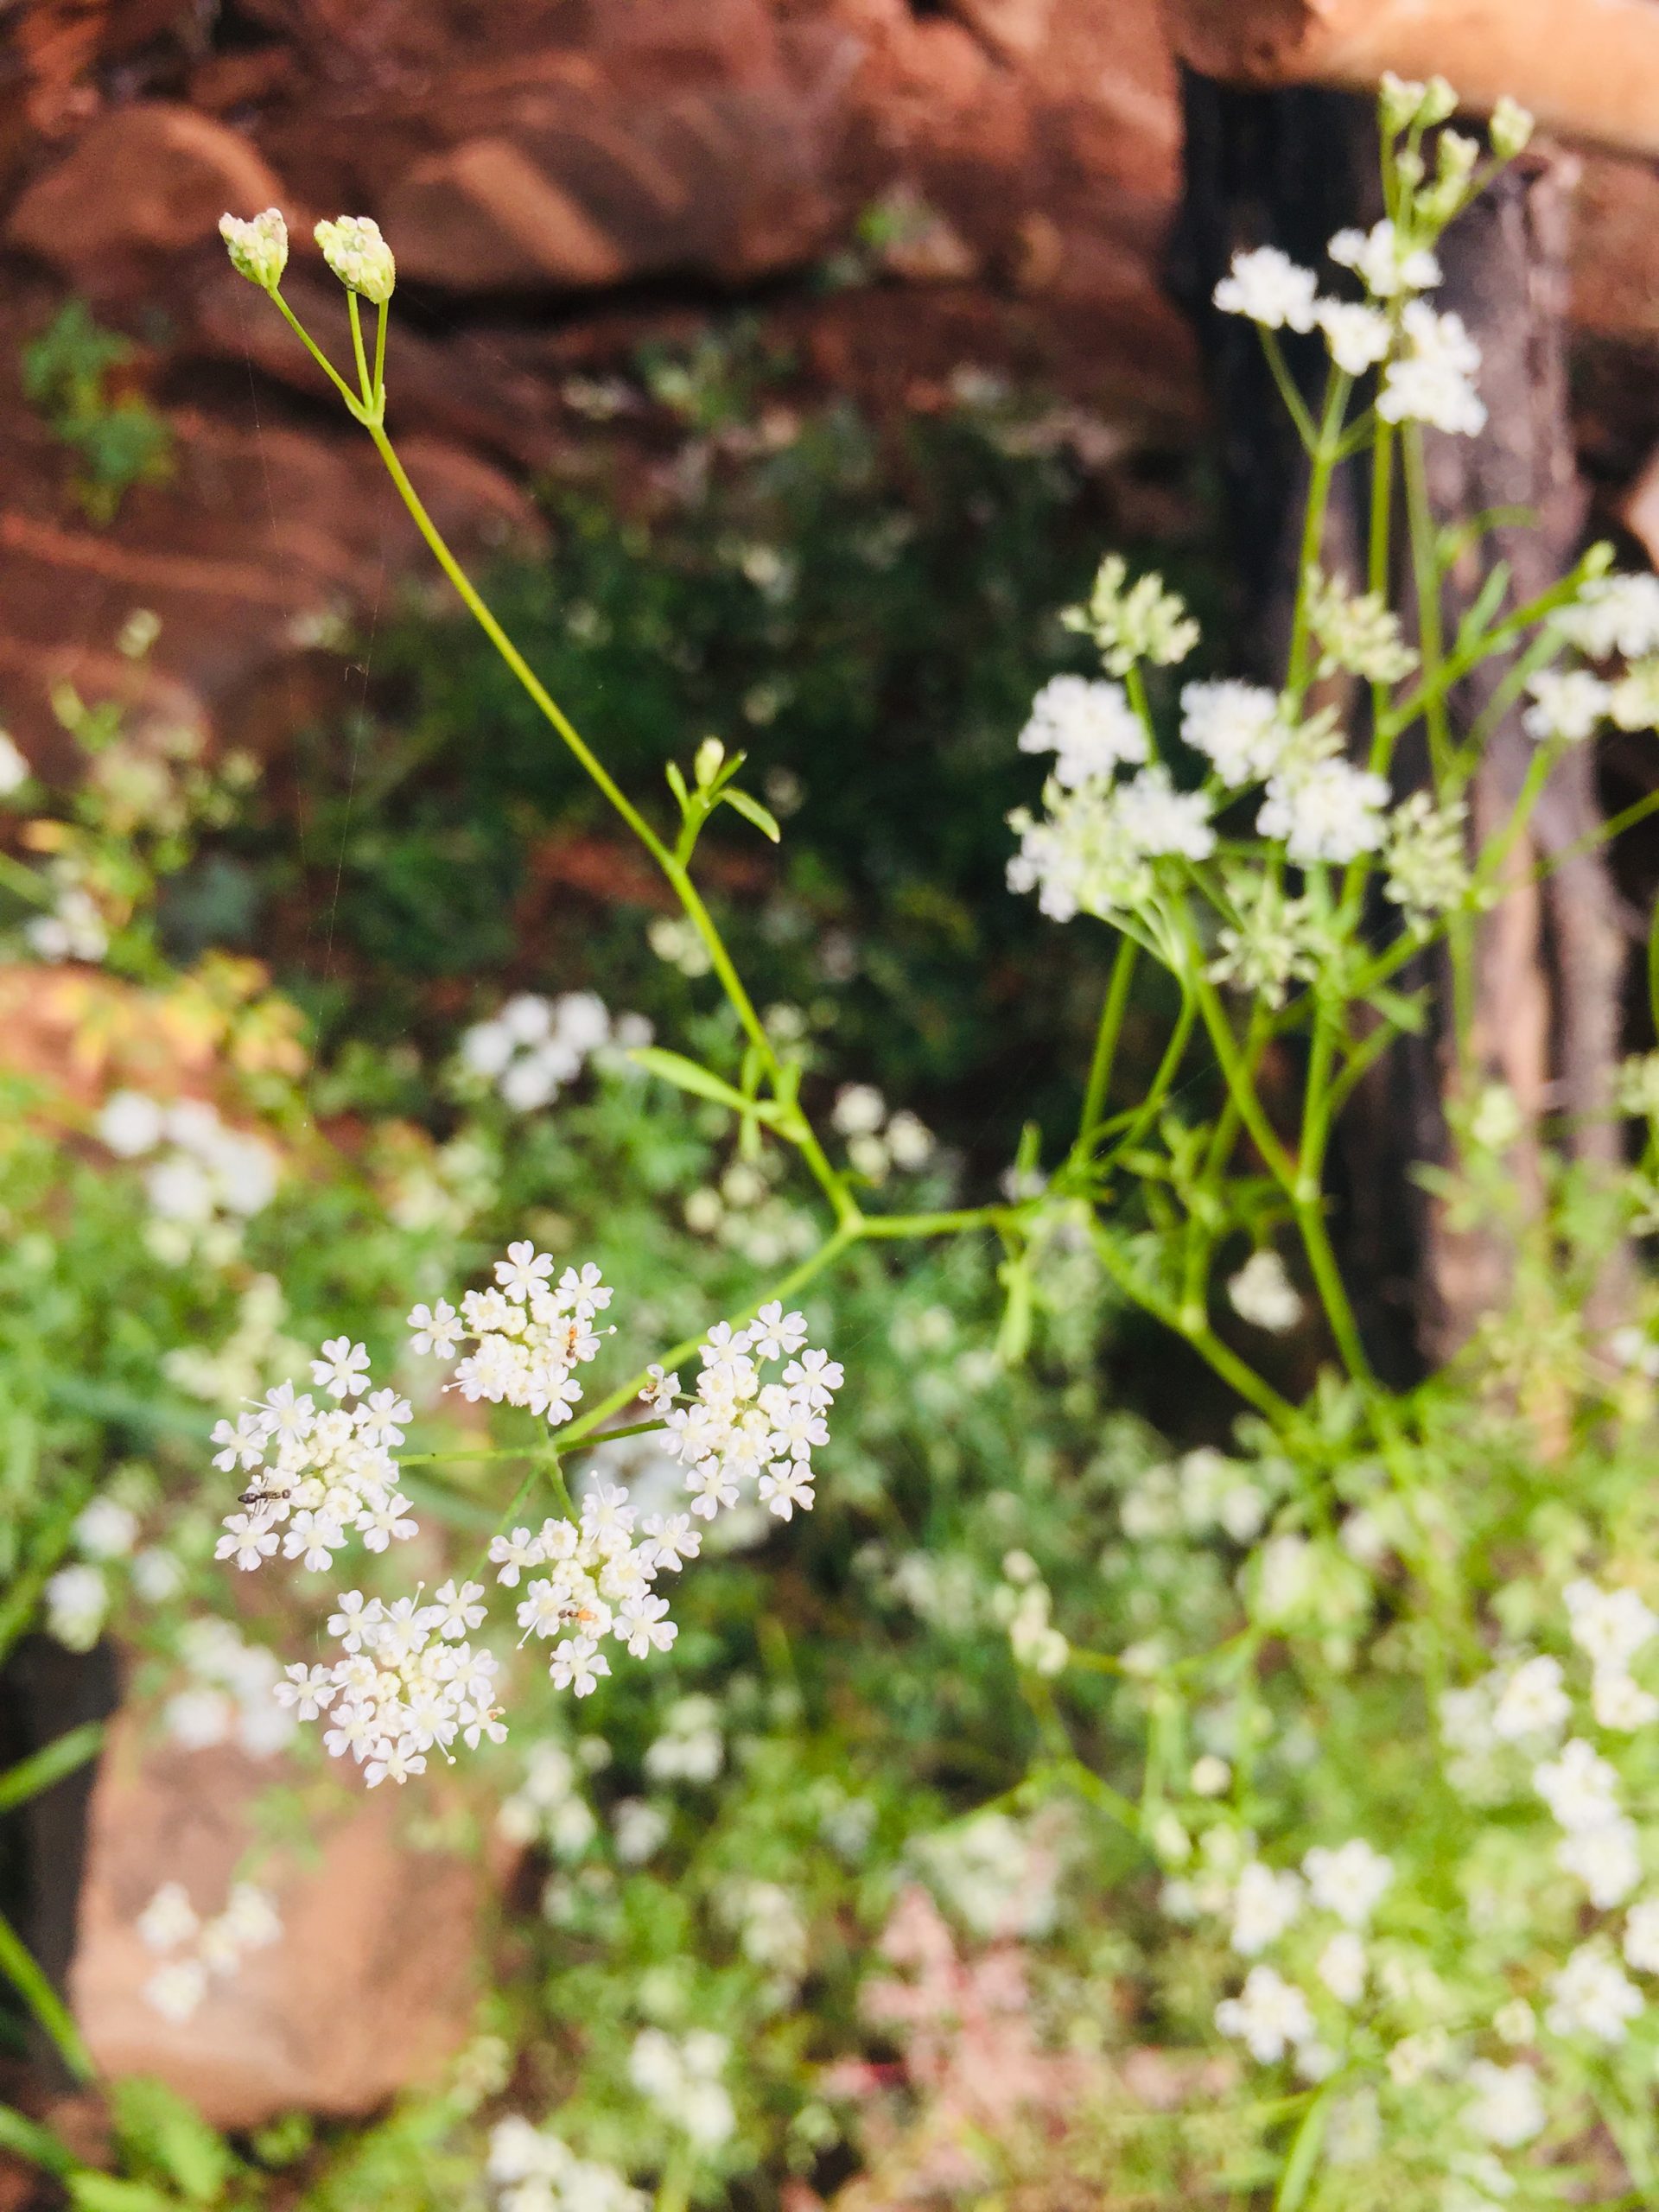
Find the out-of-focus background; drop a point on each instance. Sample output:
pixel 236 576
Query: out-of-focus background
pixel 784 366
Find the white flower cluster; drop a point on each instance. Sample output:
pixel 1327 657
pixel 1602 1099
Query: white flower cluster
pixel 1617 614
pixel 1262 1294
pixel 1094 849
pixel 1428 869
pixel 877 1142
pixel 1358 633
pixel 531 1334
pixel 73 929
pixel 408 1682
pixel 1133 622
pixel 548 1805
pixel 230 1694
pixel 740 1426
pixel 359 257
pixel 532 2170
pixel 202 1177
pixel 1023 1604
pixel 680 2076
pixel 1429 361
pixel 534 1047
pixel 1526 1706
pixel 1343 1884
pixel 598 1583
pixel 195 1952
pixel 315 1476
pixel 257 248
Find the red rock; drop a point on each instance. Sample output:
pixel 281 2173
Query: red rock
pixel 1591 72
pixel 150 179
pixel 370 1989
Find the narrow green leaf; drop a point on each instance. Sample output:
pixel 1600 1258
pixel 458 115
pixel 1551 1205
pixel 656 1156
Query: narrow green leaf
pixel 752 811
pixel 44 2002
pixel 1304 2159
pixel 27 2139
pixel 676 785
pixel 49 1764
pixel 161 2132
pixel 95 2192
pixel 686 1074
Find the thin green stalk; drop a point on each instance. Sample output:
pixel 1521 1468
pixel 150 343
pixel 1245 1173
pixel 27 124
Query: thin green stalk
pixel 380 358
pixel 1222 1358
pixel 538 692
pixel 1319 500
pixel 357 348
pixel 1376 578
pixel 44 2002
pixel 1425 568
pixel 890 1227
pixel 1113 1009
pixel 318 356
pixel 1295 405
pixel 1164 1075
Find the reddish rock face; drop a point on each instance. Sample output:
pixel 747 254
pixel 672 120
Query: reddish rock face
pixel 148 180
pixel 370 1988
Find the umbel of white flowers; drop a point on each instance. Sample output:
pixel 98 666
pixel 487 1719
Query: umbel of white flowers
pixel 352 245
pixel 408 1679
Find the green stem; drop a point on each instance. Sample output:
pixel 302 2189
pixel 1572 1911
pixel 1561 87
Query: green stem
pixel 380 358
pixel 363 378
pixel 1318 501
pixel 318 356
pixel 1425 568
pixel 1296 404
pixel 1113 1008
pixel 1198 1332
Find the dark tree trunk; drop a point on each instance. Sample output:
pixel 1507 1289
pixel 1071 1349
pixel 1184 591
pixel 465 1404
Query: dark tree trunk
pixel 1287 169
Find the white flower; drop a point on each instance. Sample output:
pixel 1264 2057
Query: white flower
pixel 1592 1998
pixel 1270 288
pixel 1268 2014
pixel 1606 1860
pixel 1611 1625
pixel 1358 336
pixel 1264 1904
pixel 437 1329
pixel 1531 1702
pixel 1619 1703
pixel 129 1123
pixel 1325 810
pixel 1433 381
pixel 343 1368
pixel 105 1530
pixel 1132 622
pixel 168 1921
pixel 1614 614
pixel 1428 870
pixel 175 1990
pixel 1342 1966
pixel 259 247
pixel 1159 820
pixel 1090 726
pixel 1348 1881
pixel 859 1110
pixel 1384 262
pixel 77 1599
pixel 1238 726
pixel 1508 2107
pixel 1568 705
pixel 1579 1787
pixel 359 257
pixel 1262 1294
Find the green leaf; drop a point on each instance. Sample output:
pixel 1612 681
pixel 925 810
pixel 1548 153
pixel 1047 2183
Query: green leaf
pixel 49 1764
pixel 752 811
pixel 676 785
pixel 686 1074
pixel 43 2001
pixel 95 2192
pixel 159 2130
pixel 27 2139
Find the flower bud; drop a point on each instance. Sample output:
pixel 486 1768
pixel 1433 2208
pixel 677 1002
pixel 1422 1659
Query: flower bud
pixel 258 249
pixel 359 257
pixel 1439 102
pixel 1511 129
pixel 711 757
pixel 1402 98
